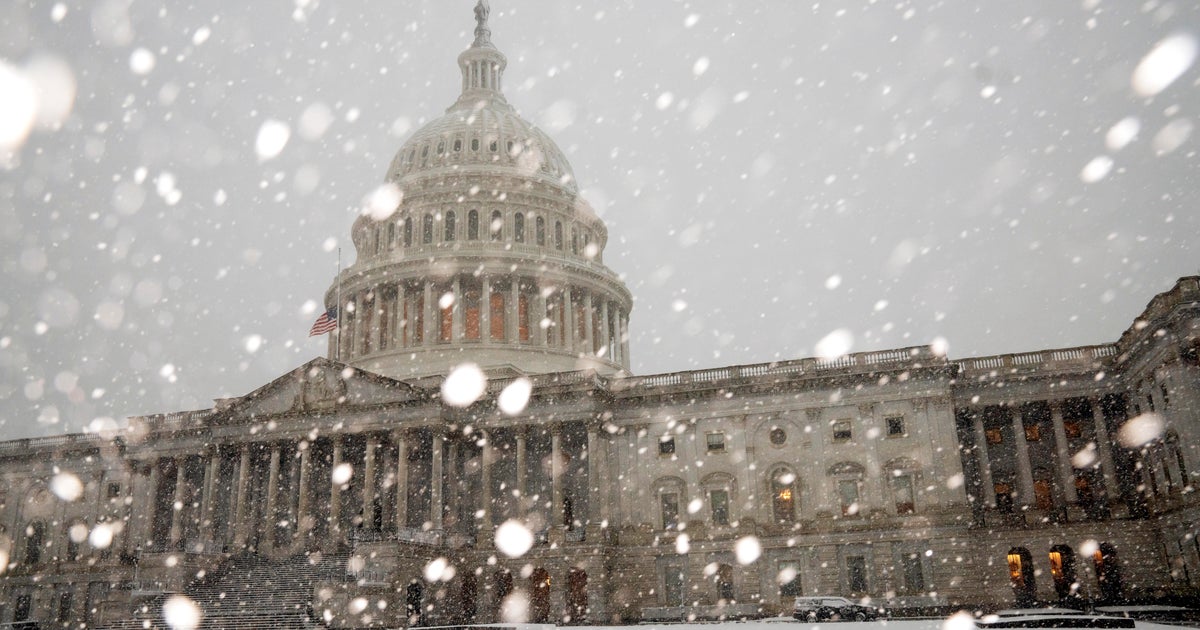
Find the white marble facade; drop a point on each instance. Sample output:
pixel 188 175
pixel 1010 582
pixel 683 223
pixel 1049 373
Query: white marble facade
pixel 903 476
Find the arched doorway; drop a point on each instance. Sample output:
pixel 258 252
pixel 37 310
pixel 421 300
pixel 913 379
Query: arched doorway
pixel 468 595
pixel 577 597
pixel 503 581
pixel 539 596
pixel 1108 572
pixel 1020 572
pixel 1062 569
pixel 725 584
pixel 412 604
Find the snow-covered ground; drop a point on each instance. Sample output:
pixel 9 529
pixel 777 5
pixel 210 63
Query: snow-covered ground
pixel 789 624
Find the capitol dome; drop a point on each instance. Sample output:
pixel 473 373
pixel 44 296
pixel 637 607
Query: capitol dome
pixel 491 256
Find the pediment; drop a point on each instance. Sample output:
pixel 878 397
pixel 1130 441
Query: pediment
pixel 320 384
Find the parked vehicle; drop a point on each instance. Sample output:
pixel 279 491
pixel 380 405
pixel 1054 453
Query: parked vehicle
pixel 832 608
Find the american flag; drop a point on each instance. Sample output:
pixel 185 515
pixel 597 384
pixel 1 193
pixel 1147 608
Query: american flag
pixel 327 322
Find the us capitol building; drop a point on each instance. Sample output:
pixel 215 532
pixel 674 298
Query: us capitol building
pixel 350 492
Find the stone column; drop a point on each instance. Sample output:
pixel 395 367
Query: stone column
pixel 368 491
pixel 303 519
pixel 1066 471
pixel 512 326
pixel 485 482
pixel 270 518
pixel 522 468
pixel 147 519
pixel 1103 444
pixel 541 335
pixel 457 311
pixel 177 504
pixel 570 343
pixel 609 351
pixel 556 471
pixel 624 339
pixel 401 322
pixel 985 466
pixel 427 335
pixel 435 483
pixel 1024 467
pixel 243 505
pixel 595 493
pixel 401 479
pixel 335 490
pixel 589 340
pixel 485 309
pixel 207 498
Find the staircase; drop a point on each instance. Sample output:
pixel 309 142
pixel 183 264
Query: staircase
pixel 251 592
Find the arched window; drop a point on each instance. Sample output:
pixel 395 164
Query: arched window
pixel 1062 569
pixel 473 225
pixel 496 227
pixel 391 235
pixel 474 144
pixel 1020 573
pixel 540 230
pixel 558 235
pixel 719 492
pixel 519 228
pixel 574 242
pixel 672 494
pixel 470 306
pixel 903 482
pixel 1108 572
pixel 496 319
pixel 427 229
pixel 35 535
pixel 408 231
pixel 783 494
pixel 449 226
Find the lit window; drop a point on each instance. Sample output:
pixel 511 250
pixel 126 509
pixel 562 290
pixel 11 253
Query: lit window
pixel 715 442
pixel 1073 428
pixel 994 436
pixel 842 430
pixel 1033 433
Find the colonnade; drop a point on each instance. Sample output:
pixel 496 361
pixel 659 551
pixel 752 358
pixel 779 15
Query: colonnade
pixel 484 310
pixel 416 484
pixel 1064 454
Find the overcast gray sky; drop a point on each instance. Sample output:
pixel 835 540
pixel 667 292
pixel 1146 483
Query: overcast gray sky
pixel 769 172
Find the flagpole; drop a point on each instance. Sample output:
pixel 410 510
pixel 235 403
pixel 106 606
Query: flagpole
pixel 338 351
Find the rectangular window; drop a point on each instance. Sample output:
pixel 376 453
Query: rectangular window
pixel 471 307
pixel 418 320
pixel 842 430
pixel 670 510
pixel 666 446
pixel 789 581
pixel 1072 428
pixel 719 501
pixel 994 436
pixel 914 574
pixel 496 316
pixel 902 490
pixel 64 606
pixel 446 321
pixel 1033 433
pixel 856 574
pixel 114 490
pixel 848 494
pixel 1004 498
pixel 715 441
pixel 1042 494
pixel 523 317
pixel 895 426
pixel 673 586
pixel 385 322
